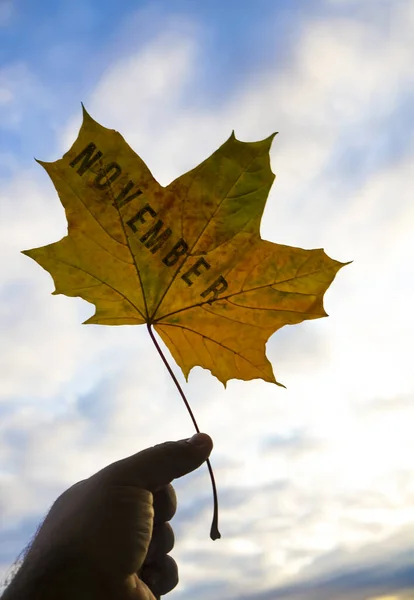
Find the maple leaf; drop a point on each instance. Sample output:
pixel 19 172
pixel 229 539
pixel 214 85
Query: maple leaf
pixel 188 258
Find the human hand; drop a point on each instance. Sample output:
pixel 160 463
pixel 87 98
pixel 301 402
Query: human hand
pixel 112 529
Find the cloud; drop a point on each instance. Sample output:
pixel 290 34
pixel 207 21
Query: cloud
pixel 7 9
pixel 392 575
pixel 20 90
pixel 373 569
pixel 153 78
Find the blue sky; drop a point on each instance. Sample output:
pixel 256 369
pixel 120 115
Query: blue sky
pixel 315 482
pixel 67 47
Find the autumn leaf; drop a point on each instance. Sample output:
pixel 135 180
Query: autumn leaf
pixel 187 258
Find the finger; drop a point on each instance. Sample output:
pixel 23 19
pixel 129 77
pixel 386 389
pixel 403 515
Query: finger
pixel 164 503
pixel 138 590
pixel 155 467
pixel 162 542
pixel 161 577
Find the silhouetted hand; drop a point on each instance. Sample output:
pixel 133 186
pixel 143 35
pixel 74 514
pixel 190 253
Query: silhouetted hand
pixel 108 536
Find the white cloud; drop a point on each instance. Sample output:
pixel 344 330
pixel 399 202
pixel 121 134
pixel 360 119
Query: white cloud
pixel 7 9
pixel 150 82
pixel 20 92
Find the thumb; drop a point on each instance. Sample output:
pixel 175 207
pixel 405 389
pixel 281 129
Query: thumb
pixel 155 467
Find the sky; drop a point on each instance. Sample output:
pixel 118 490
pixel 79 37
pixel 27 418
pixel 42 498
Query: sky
pixel 315 481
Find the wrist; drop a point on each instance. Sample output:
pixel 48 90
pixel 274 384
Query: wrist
pixel 58 578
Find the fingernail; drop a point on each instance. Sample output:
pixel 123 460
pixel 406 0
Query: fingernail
pixel 199 439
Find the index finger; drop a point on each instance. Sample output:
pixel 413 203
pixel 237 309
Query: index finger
pixel 156 467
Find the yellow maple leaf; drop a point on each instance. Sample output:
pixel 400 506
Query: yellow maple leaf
pixel 188 258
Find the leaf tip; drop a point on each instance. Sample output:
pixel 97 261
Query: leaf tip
pixel 86 117
pixel 273 379
pixel 42 163
pixel 90 321
pixel 268 141
pixel 30 253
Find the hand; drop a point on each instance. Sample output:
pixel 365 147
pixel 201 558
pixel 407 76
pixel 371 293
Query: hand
pixel 113 526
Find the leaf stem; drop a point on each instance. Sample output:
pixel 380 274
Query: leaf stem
pixel 214 532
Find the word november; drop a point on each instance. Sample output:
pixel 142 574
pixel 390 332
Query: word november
pixel 155 237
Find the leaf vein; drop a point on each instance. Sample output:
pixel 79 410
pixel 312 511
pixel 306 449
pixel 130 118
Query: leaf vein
pixel 230 319
pixel 103 282
pixel 220 298
pixel 218 343
pixel 208 221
